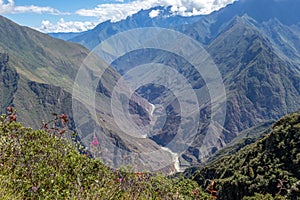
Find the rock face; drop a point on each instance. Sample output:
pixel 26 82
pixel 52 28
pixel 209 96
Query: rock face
pixel 8 82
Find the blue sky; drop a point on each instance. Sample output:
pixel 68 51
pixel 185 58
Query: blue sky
pixel 81 15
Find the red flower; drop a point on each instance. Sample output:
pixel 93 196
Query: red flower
pixel 46 126
pixel 12 118
pixel 139 174
pixel 196 192
pixel 64 118
pixel 9 109
pixel 95 141
pixel 212 190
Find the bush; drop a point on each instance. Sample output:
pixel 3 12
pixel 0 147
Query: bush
pixel 40 164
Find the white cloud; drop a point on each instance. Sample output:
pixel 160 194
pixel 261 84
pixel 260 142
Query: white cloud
pixel 62 26
pixel 113 12
pixel 9 7
pixel 154 13
pixel 6 7
pixel 37 9
pixel 118 11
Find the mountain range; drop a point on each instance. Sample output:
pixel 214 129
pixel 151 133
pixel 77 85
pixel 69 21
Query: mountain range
pixel 255 45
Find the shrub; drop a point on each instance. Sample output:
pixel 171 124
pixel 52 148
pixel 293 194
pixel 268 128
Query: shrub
pixel 40 164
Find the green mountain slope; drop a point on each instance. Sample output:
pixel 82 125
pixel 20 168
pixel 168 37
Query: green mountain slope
pixel 36 165
pixel 270 165
pixel 36 57
pixel 37 78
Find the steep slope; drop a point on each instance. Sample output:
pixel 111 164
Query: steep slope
pixel 9 81
pixel 261 85
pixel 36 57
pixel 37 77
pixel 270 165
pixel 283 37
pixel 245 138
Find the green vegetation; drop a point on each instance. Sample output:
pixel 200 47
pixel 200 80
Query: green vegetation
pixel 243 139
pixel 40 164
pixel 44 164
pixel 270 166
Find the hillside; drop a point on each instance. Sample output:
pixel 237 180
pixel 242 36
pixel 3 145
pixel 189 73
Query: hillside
pixel 41 75
pixel 39 59
pixel 269 165
pixel 37 165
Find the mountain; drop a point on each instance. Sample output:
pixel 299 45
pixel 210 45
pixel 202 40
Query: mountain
pixel 65 36
pixel 254 44
pixel 261 78
pixel 165 18
pixel 260 83
pixel 269 165
pixel 41 75
pixel 261 11
pixel 36 61
pixel 256 55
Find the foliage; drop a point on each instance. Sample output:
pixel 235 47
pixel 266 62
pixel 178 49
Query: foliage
pixel 263 197
pixel 271 166
pixel 40 164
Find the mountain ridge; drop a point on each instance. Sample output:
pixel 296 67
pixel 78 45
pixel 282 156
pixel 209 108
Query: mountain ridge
pixel 269 165
pixel 258 63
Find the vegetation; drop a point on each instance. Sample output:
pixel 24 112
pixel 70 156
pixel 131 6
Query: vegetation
pixel 270 166
pixel 43 164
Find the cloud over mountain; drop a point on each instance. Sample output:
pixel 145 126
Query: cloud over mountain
pixel 115 11
pixel 66 26
pixel 119 11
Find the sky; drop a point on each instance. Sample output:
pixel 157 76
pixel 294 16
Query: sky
pixel 81 15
